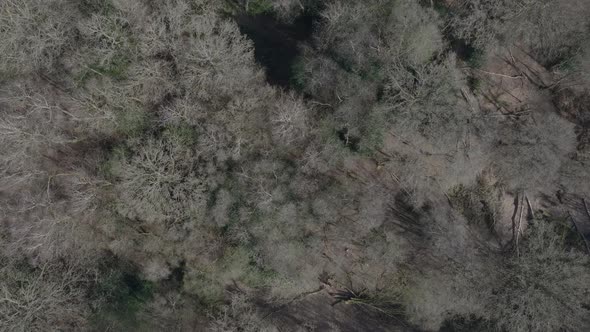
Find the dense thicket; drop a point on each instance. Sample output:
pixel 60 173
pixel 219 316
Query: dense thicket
pixel 425 167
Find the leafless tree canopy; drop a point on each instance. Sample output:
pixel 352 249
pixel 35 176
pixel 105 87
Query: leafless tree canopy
pixel 419 165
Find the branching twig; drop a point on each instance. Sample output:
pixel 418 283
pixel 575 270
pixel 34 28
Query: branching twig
pixel 519 224
pixel 296 298
pixel 579 232
pixel 530 206
pixel 498 74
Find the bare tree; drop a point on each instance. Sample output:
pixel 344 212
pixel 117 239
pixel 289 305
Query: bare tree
pixel 551 29
pixel 35 298
pixel 544 287
pixel 239 315
pixel 289 119
pixel 34 33
pixel 160 182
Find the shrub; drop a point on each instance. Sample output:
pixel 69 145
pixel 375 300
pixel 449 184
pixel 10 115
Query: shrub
pixel 466 324
pixel 234 265
pixel 90 7
pixel 239 315
pixel 479 203
pixel 122 295
pixel 132 121
pixel 256 7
